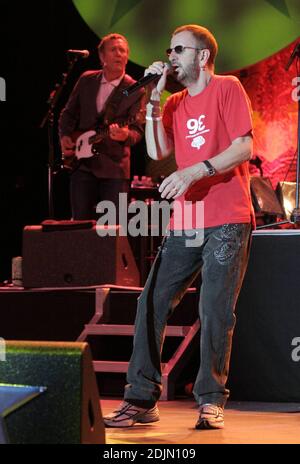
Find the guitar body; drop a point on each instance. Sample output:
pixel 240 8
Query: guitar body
pixel 87 143
pixel 84 148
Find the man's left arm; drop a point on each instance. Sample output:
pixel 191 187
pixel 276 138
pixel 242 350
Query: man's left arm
pixel 240 150
pixel 237 153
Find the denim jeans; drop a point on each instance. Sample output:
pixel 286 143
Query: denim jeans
pixel 222 259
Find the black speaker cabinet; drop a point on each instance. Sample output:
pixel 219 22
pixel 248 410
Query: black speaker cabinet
pixel 72 258
pixel 68 411
pixel 265 362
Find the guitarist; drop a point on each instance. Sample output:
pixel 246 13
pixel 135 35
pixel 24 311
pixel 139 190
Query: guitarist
pixel 95 101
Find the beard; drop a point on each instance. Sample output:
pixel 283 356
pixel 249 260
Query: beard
pixel 190 73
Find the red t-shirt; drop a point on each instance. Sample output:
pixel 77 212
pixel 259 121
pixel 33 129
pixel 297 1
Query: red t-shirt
pixel 201 127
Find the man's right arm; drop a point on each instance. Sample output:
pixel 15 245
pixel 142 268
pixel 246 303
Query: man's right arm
pixel 159 144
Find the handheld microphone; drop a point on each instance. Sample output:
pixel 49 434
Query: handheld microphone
pixel 143 82
pixel 295 52
pixel 79 53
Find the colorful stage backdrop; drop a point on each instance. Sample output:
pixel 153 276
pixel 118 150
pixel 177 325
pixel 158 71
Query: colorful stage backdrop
pixel 255 37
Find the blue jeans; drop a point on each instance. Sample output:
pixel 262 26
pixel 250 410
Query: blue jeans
pixel 222 259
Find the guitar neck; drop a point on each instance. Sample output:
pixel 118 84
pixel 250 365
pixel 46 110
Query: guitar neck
pixel 104 131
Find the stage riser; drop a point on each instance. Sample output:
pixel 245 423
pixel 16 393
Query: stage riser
pixel 264 364
pixel 45 315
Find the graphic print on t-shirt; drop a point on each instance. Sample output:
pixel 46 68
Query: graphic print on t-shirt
pixel 196 128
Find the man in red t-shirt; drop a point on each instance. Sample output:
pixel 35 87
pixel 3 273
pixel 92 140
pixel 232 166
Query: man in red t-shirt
pixel 209 126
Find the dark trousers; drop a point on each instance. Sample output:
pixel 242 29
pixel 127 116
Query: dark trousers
pixel 86 190
pixel 222 260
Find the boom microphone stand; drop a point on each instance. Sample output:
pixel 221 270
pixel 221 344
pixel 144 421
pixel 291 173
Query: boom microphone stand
pixel 49 120
pixel 295 216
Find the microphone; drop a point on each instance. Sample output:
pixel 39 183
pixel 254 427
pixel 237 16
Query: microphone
pixel 79 53
pixel 295 52
pixel 143 81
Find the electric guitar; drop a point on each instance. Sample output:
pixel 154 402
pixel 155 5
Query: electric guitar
pixel 87 143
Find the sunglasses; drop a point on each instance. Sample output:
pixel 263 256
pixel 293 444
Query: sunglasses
pixel 179 49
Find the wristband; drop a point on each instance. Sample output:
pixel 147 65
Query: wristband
pixel 151 118
pixel 211 171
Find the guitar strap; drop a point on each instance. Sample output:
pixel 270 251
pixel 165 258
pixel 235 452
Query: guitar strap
pixel 108 115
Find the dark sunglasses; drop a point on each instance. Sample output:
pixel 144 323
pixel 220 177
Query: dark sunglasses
pixel 179 49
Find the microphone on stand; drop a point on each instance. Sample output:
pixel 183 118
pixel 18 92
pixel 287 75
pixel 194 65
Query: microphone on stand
pixel 143 82
pixel 295 52
pixel 78 53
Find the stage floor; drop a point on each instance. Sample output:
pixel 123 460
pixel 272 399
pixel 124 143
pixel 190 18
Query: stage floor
pixel 245 422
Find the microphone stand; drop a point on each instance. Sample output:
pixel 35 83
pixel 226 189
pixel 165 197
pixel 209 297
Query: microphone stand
pixel 295 216
pixel 49 120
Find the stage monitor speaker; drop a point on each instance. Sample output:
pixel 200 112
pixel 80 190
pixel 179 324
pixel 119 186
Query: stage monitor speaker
pixel 286 191
pixel 264 198
pixel 76 258
pixel 68 410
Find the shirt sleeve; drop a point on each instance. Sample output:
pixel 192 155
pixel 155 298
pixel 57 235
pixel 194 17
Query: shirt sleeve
pixel 167 117
pixel 236 111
